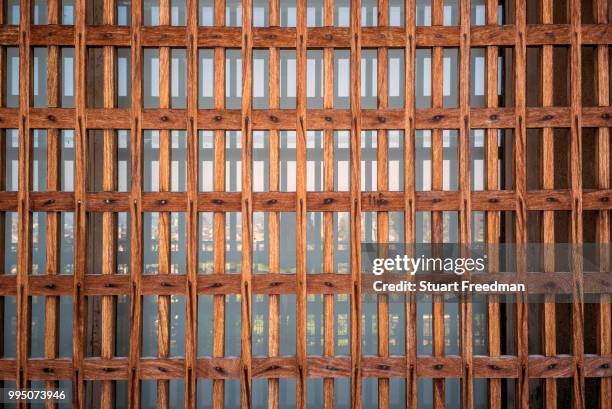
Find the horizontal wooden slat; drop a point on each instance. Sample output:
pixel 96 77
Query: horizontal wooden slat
pixel 274 367
pixel 328 367
pixel 383 367
pixel 316 119
pixel 108 202
pixel 164 202
pixel 498 200
pixel 51 285
pixel 8 201
pixel 495 367
pixel 219 368
pixel 105 369
pixel 551 366
pixel 164 284
pixel 317 367
pixel 49 369
pixel 7 369
pixel 107 284
pixel 317 37
pixel 439 367
pixel 268 283
pixel 162 368
pixel 52 201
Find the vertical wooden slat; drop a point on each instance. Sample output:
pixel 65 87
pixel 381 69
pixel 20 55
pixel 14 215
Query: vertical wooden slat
pixel 274 217
pixel 219 217
pixel 109 220
pixel 247 206
pixel 192 213
pixel 437 222
pixel 328 217
pixel 548 220
pixel 520 171
pixel 465 211
pixel 301 239
pixel 409 196
pixel 493 217
pixel 355 206
pixel 25 215
pixel 135 208
pixel 382 218
pixel 604 341
pixel 53 184
pixel 576 194
pixel 80 217
pixel 163 323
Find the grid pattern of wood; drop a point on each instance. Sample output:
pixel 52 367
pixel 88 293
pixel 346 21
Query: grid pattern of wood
pixel 494 201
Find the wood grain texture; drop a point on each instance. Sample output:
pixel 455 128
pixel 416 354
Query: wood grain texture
pixel 80 216
pixel 437 183
pixel 164 252
pixel 604 342
pixel 409 199
pixel 493 227
pixel 53 183
pixel 547 180
pixel 355 204
pixel 465 212
pixel 499 202
pixel 25 230
pixel 576 224
pixel 382 218
pixel 191 328
pixel 247 208
pixel 301 241
pixel 135 208
pixel 285 37
pixel 520 168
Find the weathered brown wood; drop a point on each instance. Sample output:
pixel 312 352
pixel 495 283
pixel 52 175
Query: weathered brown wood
pixel 219 218
pixel 576 225
pixel 548 199
pixel 328 228
pixel 135 207
pixel 604 341
pixel 382 218
pixel 355 204
pixel 273 224
pixel 409 200
pixel 246 287
pixel 219 119
pixel 437 175
pixel 318 37
pixel 25 231
pixel 53 183
pixel 192 210
pixel 494 200
pixel 301 240
pixel 80 215
pixel 548 227
pixel 522 383
pixel 109 220
pixel 542 367
pixel 465 206
pixel 163 300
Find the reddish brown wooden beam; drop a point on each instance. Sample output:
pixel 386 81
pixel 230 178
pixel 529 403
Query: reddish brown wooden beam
pixel 487 200
pixel 448 118
pixel 317 37
pixel 505 367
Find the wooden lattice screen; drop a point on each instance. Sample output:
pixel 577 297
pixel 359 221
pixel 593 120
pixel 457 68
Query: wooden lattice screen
pixel 582 31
